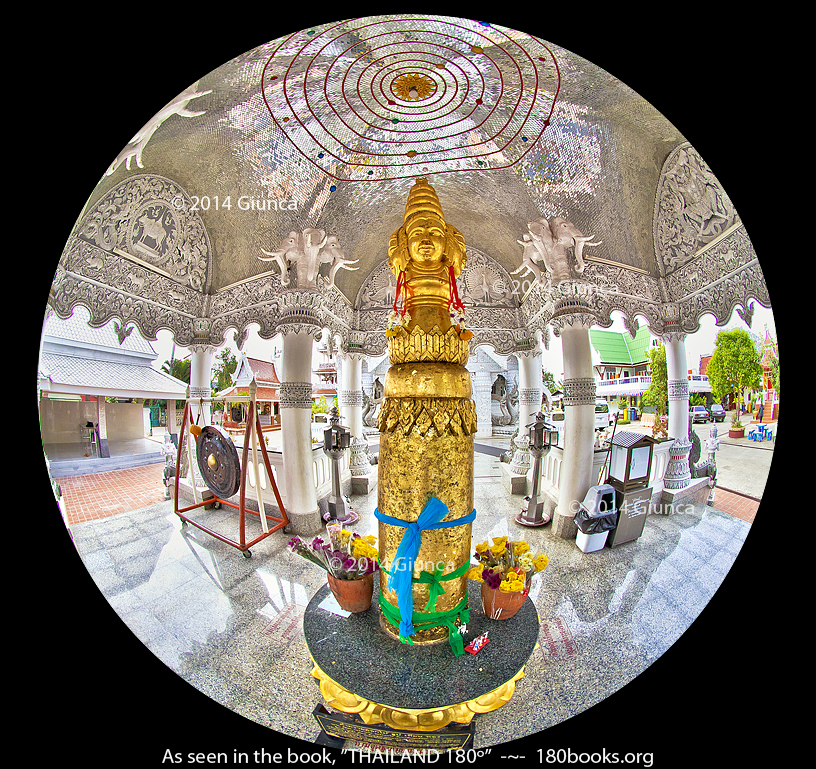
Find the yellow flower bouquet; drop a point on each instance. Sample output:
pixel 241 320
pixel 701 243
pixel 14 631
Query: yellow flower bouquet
pixel 507 565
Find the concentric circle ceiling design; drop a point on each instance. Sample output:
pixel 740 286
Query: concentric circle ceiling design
pixel 376 99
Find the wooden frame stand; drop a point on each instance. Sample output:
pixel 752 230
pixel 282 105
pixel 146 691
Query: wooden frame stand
pixel 252 436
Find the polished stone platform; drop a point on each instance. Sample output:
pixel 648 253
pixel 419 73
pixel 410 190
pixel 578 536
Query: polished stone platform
pixel 204 647
pixel 361 657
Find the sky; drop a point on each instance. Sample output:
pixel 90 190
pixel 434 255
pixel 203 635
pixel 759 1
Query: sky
pixel 701 343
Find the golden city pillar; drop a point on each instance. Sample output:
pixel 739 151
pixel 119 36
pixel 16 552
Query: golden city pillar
pixel 427 422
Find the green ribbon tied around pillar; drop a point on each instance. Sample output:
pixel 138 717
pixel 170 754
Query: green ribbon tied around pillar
pixel 400 579
pixel 426 620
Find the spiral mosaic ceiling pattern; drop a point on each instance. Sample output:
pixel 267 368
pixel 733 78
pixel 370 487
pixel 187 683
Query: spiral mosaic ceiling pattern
pixel 377 99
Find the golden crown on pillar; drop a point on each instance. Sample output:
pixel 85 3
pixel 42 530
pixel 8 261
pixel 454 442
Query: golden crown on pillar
pixel 426 255
pixel 427 251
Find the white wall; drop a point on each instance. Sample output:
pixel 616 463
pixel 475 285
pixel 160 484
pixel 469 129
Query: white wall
pixel 60 420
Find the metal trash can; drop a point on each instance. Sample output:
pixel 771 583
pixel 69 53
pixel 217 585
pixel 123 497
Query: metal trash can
pixel 596 517
pixel 631 518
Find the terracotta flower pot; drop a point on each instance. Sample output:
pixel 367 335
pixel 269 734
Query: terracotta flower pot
pixel 352 595
pixel 736 432
pixel 497 604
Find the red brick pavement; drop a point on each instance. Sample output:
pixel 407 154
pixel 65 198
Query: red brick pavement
pixel 91 497
pixel 744 508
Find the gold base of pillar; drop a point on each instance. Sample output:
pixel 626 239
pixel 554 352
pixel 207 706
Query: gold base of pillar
pixel 410 719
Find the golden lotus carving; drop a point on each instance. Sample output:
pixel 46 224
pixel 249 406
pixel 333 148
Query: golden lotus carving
pixel 413 719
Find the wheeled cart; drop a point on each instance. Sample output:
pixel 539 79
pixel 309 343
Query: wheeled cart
pixel 222 472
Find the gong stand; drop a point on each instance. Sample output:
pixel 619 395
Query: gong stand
pixel 224 475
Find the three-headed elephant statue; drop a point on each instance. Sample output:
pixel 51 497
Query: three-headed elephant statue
pixel 547 243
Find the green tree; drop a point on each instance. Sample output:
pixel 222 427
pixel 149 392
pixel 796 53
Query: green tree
pixel 734 367
pixel 549 381
pixel 180 369
pixel 657 394
pixel 223 369
pixel 320 406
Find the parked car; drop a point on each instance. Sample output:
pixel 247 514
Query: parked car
pixel 717 413
pixel 699 414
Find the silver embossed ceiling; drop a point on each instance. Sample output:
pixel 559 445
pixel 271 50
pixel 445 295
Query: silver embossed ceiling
pixel 329 126
pixel 312 118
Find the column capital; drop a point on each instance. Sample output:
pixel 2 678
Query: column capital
pixel 672 336
pixel 202 349
pixel 569 320
pixel 347 355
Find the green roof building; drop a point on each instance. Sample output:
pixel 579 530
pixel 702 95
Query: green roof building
pixel 620 362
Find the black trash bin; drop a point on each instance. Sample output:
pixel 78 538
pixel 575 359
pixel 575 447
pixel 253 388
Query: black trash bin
pixel 596 517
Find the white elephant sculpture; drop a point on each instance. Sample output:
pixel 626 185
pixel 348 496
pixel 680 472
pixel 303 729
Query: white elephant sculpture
pixel 290 246
pixel 334 254
pixel 550 241
pixel 308 250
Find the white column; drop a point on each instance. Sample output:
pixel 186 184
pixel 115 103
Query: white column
pixel 677 375
pixel 296 436
pixel 170 418
pixel 530 389
pixel 363 480
pixel 351 392
pixel 104 450
pixel 678 474
pixel 481 394
pixel 200 381
pixel 579 427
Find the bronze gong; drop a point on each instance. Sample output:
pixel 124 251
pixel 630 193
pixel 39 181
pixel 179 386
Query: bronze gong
pixel 218 462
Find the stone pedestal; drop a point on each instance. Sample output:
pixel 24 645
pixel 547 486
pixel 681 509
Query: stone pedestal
pixel 512 482
pixel 673 501
pixel 363 475
pixel 514 475
pixel 412 687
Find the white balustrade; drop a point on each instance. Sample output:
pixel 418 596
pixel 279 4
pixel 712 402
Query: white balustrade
pixel 633 385
pixel 321 474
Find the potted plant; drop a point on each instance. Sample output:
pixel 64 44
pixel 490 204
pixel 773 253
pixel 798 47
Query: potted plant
pixel 350 562
pixel 505 570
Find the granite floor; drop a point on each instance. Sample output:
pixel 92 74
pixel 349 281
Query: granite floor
pixel 231 627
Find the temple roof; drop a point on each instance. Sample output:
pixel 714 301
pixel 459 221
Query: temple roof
pixel 619 348
pixel 78 359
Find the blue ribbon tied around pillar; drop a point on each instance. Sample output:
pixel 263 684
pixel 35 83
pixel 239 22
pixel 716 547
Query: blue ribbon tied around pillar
pixel 402 567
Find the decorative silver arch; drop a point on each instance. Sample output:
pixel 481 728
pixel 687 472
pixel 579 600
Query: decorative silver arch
pixel 142 255
pixel 706 260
